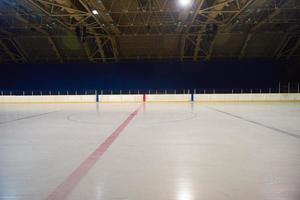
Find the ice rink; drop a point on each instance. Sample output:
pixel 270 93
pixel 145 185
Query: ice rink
pixel 153 151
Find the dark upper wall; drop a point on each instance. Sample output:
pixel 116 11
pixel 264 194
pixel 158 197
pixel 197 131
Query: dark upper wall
pixel 146 75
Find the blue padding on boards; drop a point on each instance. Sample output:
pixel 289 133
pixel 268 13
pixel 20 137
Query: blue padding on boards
pixel 192 97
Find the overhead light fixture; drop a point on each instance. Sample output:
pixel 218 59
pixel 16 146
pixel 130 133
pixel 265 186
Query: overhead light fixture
pixel 185 3
pixel 95 12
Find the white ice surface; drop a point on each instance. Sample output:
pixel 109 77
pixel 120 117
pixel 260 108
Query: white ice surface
pixel 169 151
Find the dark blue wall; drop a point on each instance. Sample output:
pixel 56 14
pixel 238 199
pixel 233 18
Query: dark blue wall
pixel 144 75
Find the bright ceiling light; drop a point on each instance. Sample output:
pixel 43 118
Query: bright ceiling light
pixel 95 12
pixel 185 3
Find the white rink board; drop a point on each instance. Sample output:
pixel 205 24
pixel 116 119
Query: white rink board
pixel 247 97
pixel 49 99
pixel 168 97
pixel 121 98
pixel 150 98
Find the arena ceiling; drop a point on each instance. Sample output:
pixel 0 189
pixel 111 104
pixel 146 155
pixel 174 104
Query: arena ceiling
pixel 68 31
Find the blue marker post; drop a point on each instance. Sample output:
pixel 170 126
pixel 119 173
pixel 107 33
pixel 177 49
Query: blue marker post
pixel 97 96
pixel 192 96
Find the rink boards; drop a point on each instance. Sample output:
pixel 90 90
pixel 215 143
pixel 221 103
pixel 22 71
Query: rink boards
pixel 150 98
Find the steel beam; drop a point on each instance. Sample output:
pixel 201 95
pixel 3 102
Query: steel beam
pixel 16 57
pixel 79 15
pixel 49 38
pixel 294 49
pixel 8 52
pixel 107 19
pixel 254 29
pixel 211 14
pixel 199 5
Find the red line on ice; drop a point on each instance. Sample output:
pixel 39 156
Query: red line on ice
pixel 66 187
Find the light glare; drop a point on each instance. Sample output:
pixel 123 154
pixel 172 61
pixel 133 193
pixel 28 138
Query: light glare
pixel 185 3
pixel 95 12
